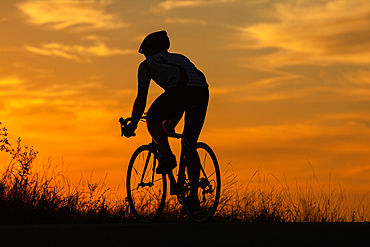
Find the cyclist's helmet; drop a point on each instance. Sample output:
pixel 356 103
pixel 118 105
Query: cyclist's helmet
pixel 157 41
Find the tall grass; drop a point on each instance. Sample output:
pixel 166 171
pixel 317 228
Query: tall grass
pixel 48 196
pixel 263 202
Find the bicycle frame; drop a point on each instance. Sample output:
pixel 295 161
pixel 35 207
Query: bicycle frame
pixel 191 177
pixel 175 189
pixel 153 150
pixel 184 154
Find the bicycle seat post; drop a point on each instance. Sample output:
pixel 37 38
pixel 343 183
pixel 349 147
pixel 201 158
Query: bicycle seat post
pixel 173 184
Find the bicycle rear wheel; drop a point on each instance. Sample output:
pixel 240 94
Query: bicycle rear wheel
pixel 208 186
pixel 146 190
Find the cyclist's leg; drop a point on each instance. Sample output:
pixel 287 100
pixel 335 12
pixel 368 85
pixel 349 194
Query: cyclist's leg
pixel 158 134
pixel 195 113
pixel 163 108
pixel 168 105
pixel 170 124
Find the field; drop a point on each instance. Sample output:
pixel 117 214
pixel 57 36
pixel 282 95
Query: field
pixel 49 197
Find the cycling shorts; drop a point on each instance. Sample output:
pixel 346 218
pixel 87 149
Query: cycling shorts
pixel 192 100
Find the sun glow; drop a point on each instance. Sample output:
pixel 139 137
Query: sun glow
pixel 289 82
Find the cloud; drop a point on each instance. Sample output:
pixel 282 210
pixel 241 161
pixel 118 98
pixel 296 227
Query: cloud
pixel 306 134
pixel 78 52
pixel 184 21
pixel 360 77
pixel 23 93
pixel 80 15
pixel 16 89
pixel 171 5
pixel 11 81
pixel 311 33
pixel 264 90
pixel 358 171
pixel 94 38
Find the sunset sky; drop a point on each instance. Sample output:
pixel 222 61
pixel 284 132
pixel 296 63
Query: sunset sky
pixel 289 82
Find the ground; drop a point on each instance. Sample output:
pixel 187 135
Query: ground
pixel 188 234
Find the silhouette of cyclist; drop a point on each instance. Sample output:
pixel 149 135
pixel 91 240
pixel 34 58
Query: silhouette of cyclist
pixel 186 91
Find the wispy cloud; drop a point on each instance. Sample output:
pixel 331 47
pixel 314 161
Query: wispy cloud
pixel 306 33
pixel 171 5
pixel 264 90
pixel 298 135
pixel 360 171
pixel 361 77
pixel 10 81
pixel 22 93
pixel 17 87
pixel 81 15
pixel 185 21
pixel 78 52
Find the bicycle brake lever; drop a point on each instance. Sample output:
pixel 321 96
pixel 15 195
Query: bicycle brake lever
pixel 124 125
pixel 123 122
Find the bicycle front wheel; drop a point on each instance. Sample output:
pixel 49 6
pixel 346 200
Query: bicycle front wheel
pixel 208 186
pixel 146 190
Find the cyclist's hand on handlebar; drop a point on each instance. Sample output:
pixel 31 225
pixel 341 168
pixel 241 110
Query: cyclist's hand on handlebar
pixel 129 130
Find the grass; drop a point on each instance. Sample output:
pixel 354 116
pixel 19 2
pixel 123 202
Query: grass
pixel 288 203
pixel 48 196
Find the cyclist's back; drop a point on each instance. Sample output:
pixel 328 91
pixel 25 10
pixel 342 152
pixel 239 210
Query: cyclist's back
pixel 168 70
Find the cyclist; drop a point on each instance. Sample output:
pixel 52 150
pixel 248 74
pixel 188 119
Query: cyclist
pixel 185 91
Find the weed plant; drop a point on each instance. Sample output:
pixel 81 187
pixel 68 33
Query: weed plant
pixel 48 196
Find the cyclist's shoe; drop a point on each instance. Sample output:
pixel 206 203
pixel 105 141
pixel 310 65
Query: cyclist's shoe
pixel 166 164
pixel 193 204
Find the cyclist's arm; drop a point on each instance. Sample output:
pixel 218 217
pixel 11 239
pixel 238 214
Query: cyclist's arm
pixel 139 105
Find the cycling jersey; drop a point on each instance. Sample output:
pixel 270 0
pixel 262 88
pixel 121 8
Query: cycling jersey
pixel 170 70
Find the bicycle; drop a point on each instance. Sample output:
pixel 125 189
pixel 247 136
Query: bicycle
pixel 147 191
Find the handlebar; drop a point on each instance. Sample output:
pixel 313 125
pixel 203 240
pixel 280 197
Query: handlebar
pixel 124 122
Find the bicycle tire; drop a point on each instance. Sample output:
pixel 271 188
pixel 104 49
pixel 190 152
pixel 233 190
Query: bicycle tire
pixel 210 171
pixel 146 201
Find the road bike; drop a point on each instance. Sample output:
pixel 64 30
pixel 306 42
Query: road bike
pixel 147 191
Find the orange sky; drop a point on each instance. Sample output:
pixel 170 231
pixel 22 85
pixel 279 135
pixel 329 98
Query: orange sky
pixel 289 82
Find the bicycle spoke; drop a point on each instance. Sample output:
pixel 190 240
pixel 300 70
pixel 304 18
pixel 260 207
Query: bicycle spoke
pixel 136 171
